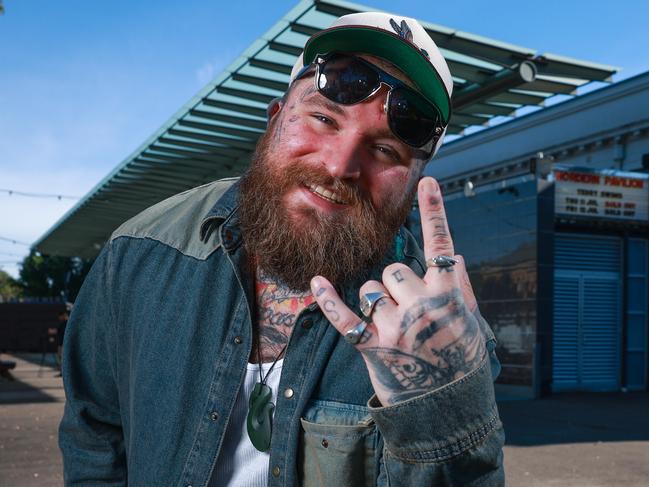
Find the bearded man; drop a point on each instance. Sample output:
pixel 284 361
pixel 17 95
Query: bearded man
pixel 215 340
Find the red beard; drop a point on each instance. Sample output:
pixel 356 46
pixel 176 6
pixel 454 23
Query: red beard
pixel 341 247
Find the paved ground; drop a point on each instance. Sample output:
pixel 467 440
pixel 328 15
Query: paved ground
pixel 571 440
pixel 578 440
pixel 30 411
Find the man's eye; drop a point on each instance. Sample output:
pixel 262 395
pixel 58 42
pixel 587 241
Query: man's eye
pixel 323 119
pixel 388 151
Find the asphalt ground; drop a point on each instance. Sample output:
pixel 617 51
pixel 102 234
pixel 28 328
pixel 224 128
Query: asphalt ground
pixel 567 440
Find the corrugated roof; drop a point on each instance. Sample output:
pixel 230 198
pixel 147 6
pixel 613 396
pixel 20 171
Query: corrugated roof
pixel 214 134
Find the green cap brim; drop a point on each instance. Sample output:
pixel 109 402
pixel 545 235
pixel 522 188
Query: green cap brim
pixel 401 53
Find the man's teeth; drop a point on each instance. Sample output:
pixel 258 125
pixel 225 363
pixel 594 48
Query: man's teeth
pixel 326 194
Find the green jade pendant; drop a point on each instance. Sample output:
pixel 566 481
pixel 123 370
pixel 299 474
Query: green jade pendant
pixel 260 416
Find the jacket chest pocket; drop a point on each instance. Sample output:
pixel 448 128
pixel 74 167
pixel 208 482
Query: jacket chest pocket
pixel 338 446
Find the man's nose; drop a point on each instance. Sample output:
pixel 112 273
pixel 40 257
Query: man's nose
pixel 343 159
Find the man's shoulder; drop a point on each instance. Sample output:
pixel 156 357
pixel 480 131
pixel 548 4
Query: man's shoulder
pixel 176 221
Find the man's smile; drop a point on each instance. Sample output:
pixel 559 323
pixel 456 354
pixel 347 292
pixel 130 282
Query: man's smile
pixel 327 194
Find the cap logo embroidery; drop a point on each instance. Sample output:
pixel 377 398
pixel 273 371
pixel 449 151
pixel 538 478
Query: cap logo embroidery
pixel 403 30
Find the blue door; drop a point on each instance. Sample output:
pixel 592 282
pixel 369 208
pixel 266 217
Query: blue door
pixel 635 351
pixel 587 313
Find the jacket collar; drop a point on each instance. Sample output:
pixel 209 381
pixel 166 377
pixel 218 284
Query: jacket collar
pixel 222 214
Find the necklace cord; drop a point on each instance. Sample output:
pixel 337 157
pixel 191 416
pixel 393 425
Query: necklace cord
pixel 264 378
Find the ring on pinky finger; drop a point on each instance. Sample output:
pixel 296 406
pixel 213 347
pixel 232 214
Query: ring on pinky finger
pixel 354 335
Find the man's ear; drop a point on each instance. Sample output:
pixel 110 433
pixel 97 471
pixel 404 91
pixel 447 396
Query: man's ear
pixel 274 107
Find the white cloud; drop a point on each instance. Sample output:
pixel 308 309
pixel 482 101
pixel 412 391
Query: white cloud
pixel 205 73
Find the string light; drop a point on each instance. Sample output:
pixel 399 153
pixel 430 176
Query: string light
pixel 12 192
pixel 14 241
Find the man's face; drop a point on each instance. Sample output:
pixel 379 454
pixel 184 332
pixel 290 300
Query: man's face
pixel 328 188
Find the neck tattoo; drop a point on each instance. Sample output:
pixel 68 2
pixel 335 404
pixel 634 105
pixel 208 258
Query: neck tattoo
pixel 277 311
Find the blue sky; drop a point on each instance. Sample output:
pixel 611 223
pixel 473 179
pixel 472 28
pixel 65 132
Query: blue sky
pixel 82 83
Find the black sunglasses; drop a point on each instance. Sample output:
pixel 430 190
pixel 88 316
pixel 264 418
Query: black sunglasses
pixel 347 80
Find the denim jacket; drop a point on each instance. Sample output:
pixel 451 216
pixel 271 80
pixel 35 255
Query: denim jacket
pixel 156 350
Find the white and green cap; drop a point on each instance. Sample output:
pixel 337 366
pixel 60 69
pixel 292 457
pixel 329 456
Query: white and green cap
pixel 402 41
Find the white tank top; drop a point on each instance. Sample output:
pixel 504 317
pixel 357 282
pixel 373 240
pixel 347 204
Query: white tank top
pixel 239 463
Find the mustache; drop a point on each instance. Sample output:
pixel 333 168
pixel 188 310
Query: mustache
pixel 308 174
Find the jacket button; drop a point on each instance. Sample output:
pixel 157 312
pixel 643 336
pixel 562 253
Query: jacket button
pixel 214 415
pixel 238 340
pixel 288 393
pixel 325 443
pixel 276 471
pixel 307 324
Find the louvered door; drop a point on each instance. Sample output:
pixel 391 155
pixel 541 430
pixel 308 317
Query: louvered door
pixel 586 328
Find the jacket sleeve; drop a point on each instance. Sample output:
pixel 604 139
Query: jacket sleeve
pixel 451 436
pixel 90 433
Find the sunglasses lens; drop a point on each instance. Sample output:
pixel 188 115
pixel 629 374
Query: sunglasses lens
pixel 411 117
pixel 348 80
pixel 345 80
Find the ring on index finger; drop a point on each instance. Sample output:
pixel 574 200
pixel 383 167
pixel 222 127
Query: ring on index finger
pixel 368 301
pixel 441 261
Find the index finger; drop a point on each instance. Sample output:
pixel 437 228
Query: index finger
pixel 434 226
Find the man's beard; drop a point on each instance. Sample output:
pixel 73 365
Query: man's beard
pixel 342 247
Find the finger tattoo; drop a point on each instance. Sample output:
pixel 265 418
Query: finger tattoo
pixel 329 307
pixel 398 276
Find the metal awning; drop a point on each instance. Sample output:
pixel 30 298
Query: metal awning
pixel 214 134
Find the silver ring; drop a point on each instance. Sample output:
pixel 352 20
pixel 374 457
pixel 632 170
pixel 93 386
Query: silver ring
pixel 441 261
pixel 354 335
pixel 368 301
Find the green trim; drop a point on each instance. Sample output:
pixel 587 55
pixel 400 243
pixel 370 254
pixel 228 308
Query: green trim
pixel 390 47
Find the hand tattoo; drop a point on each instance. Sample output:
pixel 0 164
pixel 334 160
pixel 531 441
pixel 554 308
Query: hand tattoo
pixel 406 375
pixel 424 307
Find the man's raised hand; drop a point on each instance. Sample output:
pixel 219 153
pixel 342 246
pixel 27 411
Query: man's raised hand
pixel 423 334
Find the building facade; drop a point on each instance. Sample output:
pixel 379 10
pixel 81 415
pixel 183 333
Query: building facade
pixel 550 212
